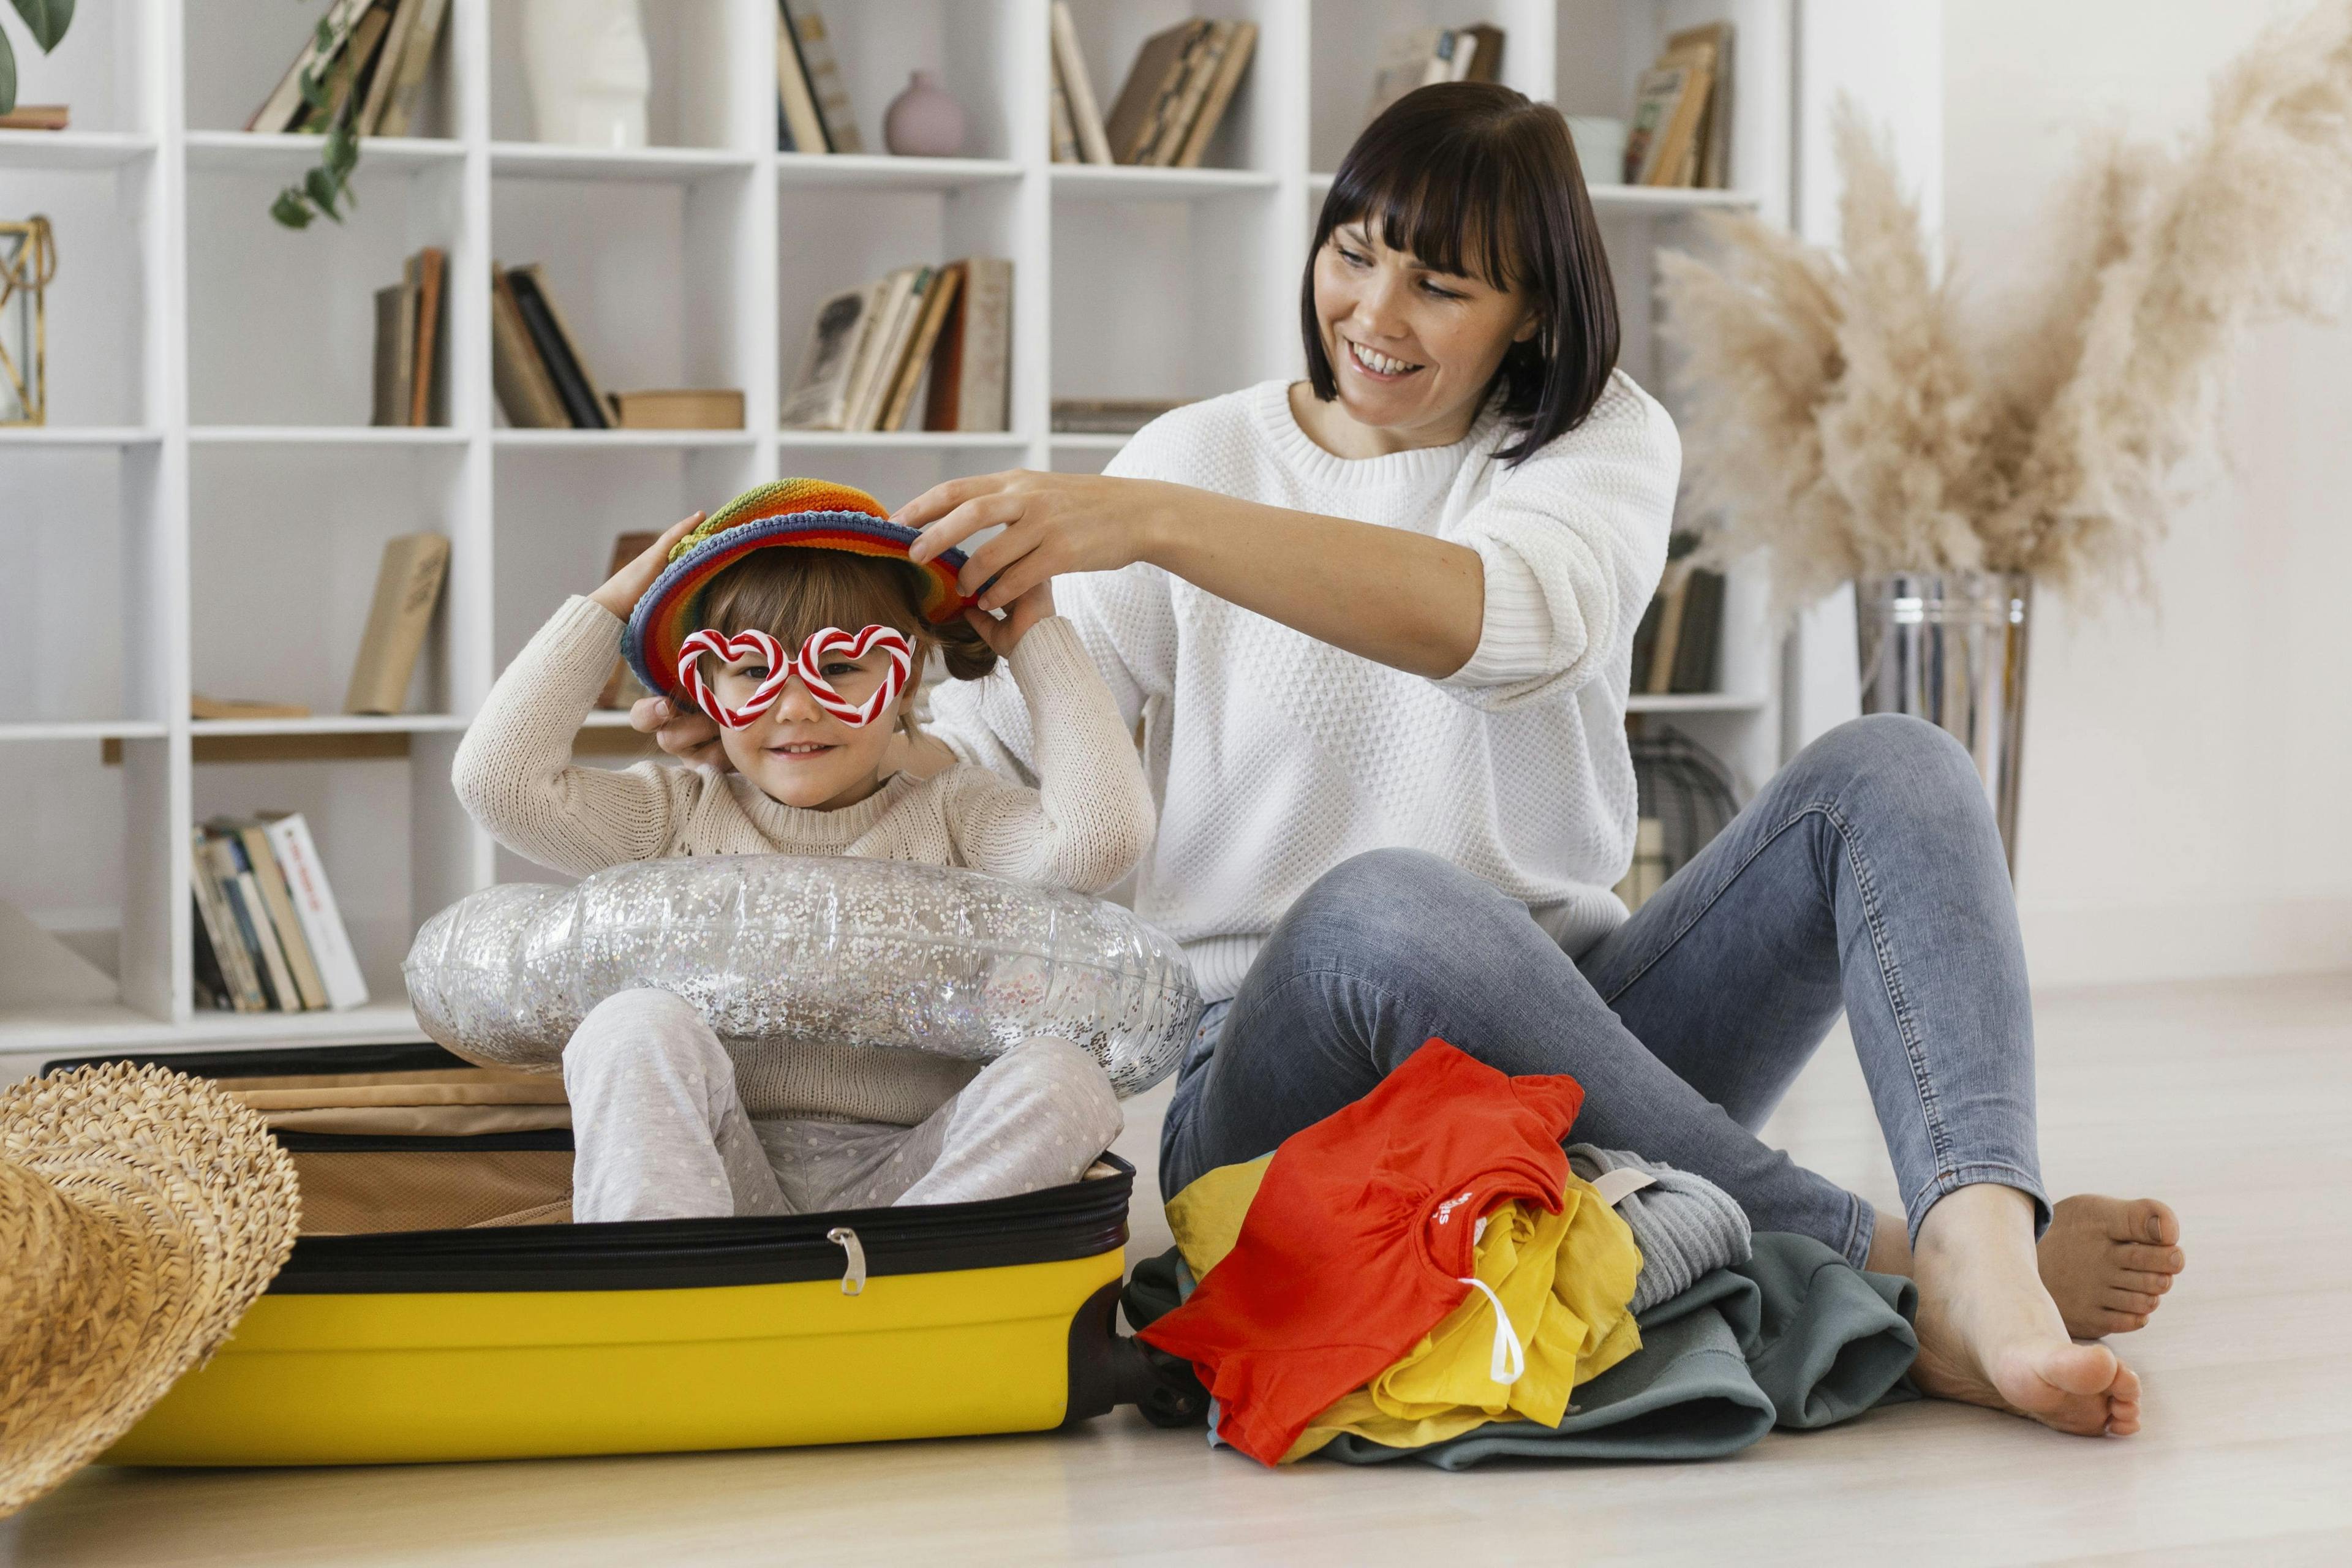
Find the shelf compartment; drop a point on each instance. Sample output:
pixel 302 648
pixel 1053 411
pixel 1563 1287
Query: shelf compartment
pixel 1252 132
pixel 73 148
pixel 711 76
pixel 281 323
pixel 87 597
pixel 285 543
pixel 867 171
pixel 286 156
pixel 237 51
pixel 89 860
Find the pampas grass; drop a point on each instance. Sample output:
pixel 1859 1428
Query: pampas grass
pixel 1849 412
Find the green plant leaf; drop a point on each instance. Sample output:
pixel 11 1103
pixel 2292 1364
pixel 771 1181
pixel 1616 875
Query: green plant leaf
pixel 7 76
pixel 342 151
pixel 290 209
pixel 320 187
pixel 47 19
pixel 314 90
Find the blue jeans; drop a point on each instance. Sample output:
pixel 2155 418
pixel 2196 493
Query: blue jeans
pixel 1867 876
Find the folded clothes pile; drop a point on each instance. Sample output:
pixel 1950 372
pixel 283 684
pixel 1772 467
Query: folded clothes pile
pixel 1426 1275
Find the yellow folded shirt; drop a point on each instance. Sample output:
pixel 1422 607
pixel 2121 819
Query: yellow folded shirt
pixel 1565 1280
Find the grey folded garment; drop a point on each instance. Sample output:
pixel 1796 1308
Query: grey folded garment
pixel 1684 1225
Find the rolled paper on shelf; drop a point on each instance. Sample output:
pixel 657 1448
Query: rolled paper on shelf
pixel 779 952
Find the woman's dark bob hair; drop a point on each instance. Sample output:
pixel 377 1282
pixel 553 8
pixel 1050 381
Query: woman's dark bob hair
pixel 1473 179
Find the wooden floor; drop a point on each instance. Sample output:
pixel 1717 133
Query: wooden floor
pixel 2233 1101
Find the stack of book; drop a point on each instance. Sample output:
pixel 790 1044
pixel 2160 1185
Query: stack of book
pixel 813 112
pixel 268 937
pixel 370 58
pixel 1681 130
pixel 411 377
pixel 1177 92
pixel 1676 645
pixel 1424 54
pixel 869 349
pixel 541 378
pixel 37 116
pixel 407 588
pixel 1110 415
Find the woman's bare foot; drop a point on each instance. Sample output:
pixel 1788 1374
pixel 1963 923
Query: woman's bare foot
pixel 2108 1262
pixel 1988 1331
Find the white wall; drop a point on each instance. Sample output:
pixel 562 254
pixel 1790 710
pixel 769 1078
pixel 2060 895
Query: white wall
pixel 2187 768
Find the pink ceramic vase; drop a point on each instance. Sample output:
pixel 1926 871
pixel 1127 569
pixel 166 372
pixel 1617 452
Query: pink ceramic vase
pixel 924 121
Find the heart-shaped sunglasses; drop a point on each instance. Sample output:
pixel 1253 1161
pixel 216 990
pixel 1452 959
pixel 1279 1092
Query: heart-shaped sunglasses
pixel 808 663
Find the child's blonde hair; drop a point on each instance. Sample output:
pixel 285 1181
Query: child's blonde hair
pixel 791 590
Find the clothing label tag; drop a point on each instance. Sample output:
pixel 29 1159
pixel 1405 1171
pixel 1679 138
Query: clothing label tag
pixel 1612 1186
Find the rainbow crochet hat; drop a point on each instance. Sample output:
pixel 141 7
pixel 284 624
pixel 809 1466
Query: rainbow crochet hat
pixel 808 513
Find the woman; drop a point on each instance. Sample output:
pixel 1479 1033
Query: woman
pixel 1377 627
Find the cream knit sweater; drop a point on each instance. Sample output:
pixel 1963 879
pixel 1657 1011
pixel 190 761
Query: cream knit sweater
pixel 1082 827
pixel 1275 757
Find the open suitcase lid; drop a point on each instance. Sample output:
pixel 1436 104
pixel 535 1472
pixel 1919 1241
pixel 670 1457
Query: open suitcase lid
pixel 1081 1219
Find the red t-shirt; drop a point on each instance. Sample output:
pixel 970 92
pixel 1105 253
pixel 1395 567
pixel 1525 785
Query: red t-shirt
pixel 1360 1238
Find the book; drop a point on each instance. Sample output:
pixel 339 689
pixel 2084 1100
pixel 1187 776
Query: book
pixel 238 870
pixel 1404 63
pixel 428 397
pixel 395 352
pixel 525 390
pixel 936 299
pixel 558 349
pixel 277 112
pixel 1694 649
pixel 242 981
pixel 1152 84
pixel 793 96
pixel 825 79
pixel 1645 645
pixel 250 924
pixel 1485 62
pixel 1064 134
pixel 971 365
pixel 887 346
pixel 407 587
pixel 252 839
pixel 203 707
pixel 387 65
pixel 1086 110
pixel 1230 70
pixel 1647 873
pixel 1659 678
pixel 314 907
pixel 819 399
pixel 346 78
pixel 1208 52
pixel 212 988
pixel 1708 162
pixel 415 63
pixel 621 687
pixel 1666 110
pixel 37 117
pixel 678 408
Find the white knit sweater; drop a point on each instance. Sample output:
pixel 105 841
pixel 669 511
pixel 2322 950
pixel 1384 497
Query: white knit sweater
pixel 1275 757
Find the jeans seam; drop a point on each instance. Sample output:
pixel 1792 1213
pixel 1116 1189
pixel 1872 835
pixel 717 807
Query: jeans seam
pixel 1945 1183
pixel 1922 1081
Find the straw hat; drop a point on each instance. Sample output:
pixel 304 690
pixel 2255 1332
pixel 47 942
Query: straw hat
pixel 141 1212
pixel 810 514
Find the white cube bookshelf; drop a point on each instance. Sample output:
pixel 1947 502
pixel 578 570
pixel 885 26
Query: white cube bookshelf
pixel 205 509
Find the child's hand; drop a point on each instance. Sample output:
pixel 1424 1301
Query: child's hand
pixel 621 591
pixel 688 735
pixel 1025 611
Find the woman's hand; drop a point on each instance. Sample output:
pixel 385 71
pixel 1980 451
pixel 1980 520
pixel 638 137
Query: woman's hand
pixel 1053 523
pixel 624 588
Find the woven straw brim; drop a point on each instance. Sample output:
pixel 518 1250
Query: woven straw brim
pixel 142 1213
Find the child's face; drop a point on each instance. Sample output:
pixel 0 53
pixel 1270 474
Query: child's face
pixel 797 752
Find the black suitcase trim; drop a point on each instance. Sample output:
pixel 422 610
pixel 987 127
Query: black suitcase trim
pixel 1081 1219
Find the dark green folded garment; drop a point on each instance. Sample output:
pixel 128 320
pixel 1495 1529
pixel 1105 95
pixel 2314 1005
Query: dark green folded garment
pixel 1794 1337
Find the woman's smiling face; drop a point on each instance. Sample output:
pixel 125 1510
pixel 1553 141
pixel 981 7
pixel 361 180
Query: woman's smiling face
pixel 1411 349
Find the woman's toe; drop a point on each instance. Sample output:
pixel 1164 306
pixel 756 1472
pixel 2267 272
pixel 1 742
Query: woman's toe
pixel 2147 1220
pixel 2139 1258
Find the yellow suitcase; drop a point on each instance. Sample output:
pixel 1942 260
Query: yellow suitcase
pixel 430 1311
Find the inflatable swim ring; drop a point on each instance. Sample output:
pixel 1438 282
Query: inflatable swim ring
pixel 778 951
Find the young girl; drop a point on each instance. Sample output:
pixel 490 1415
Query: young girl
pixel 794 618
